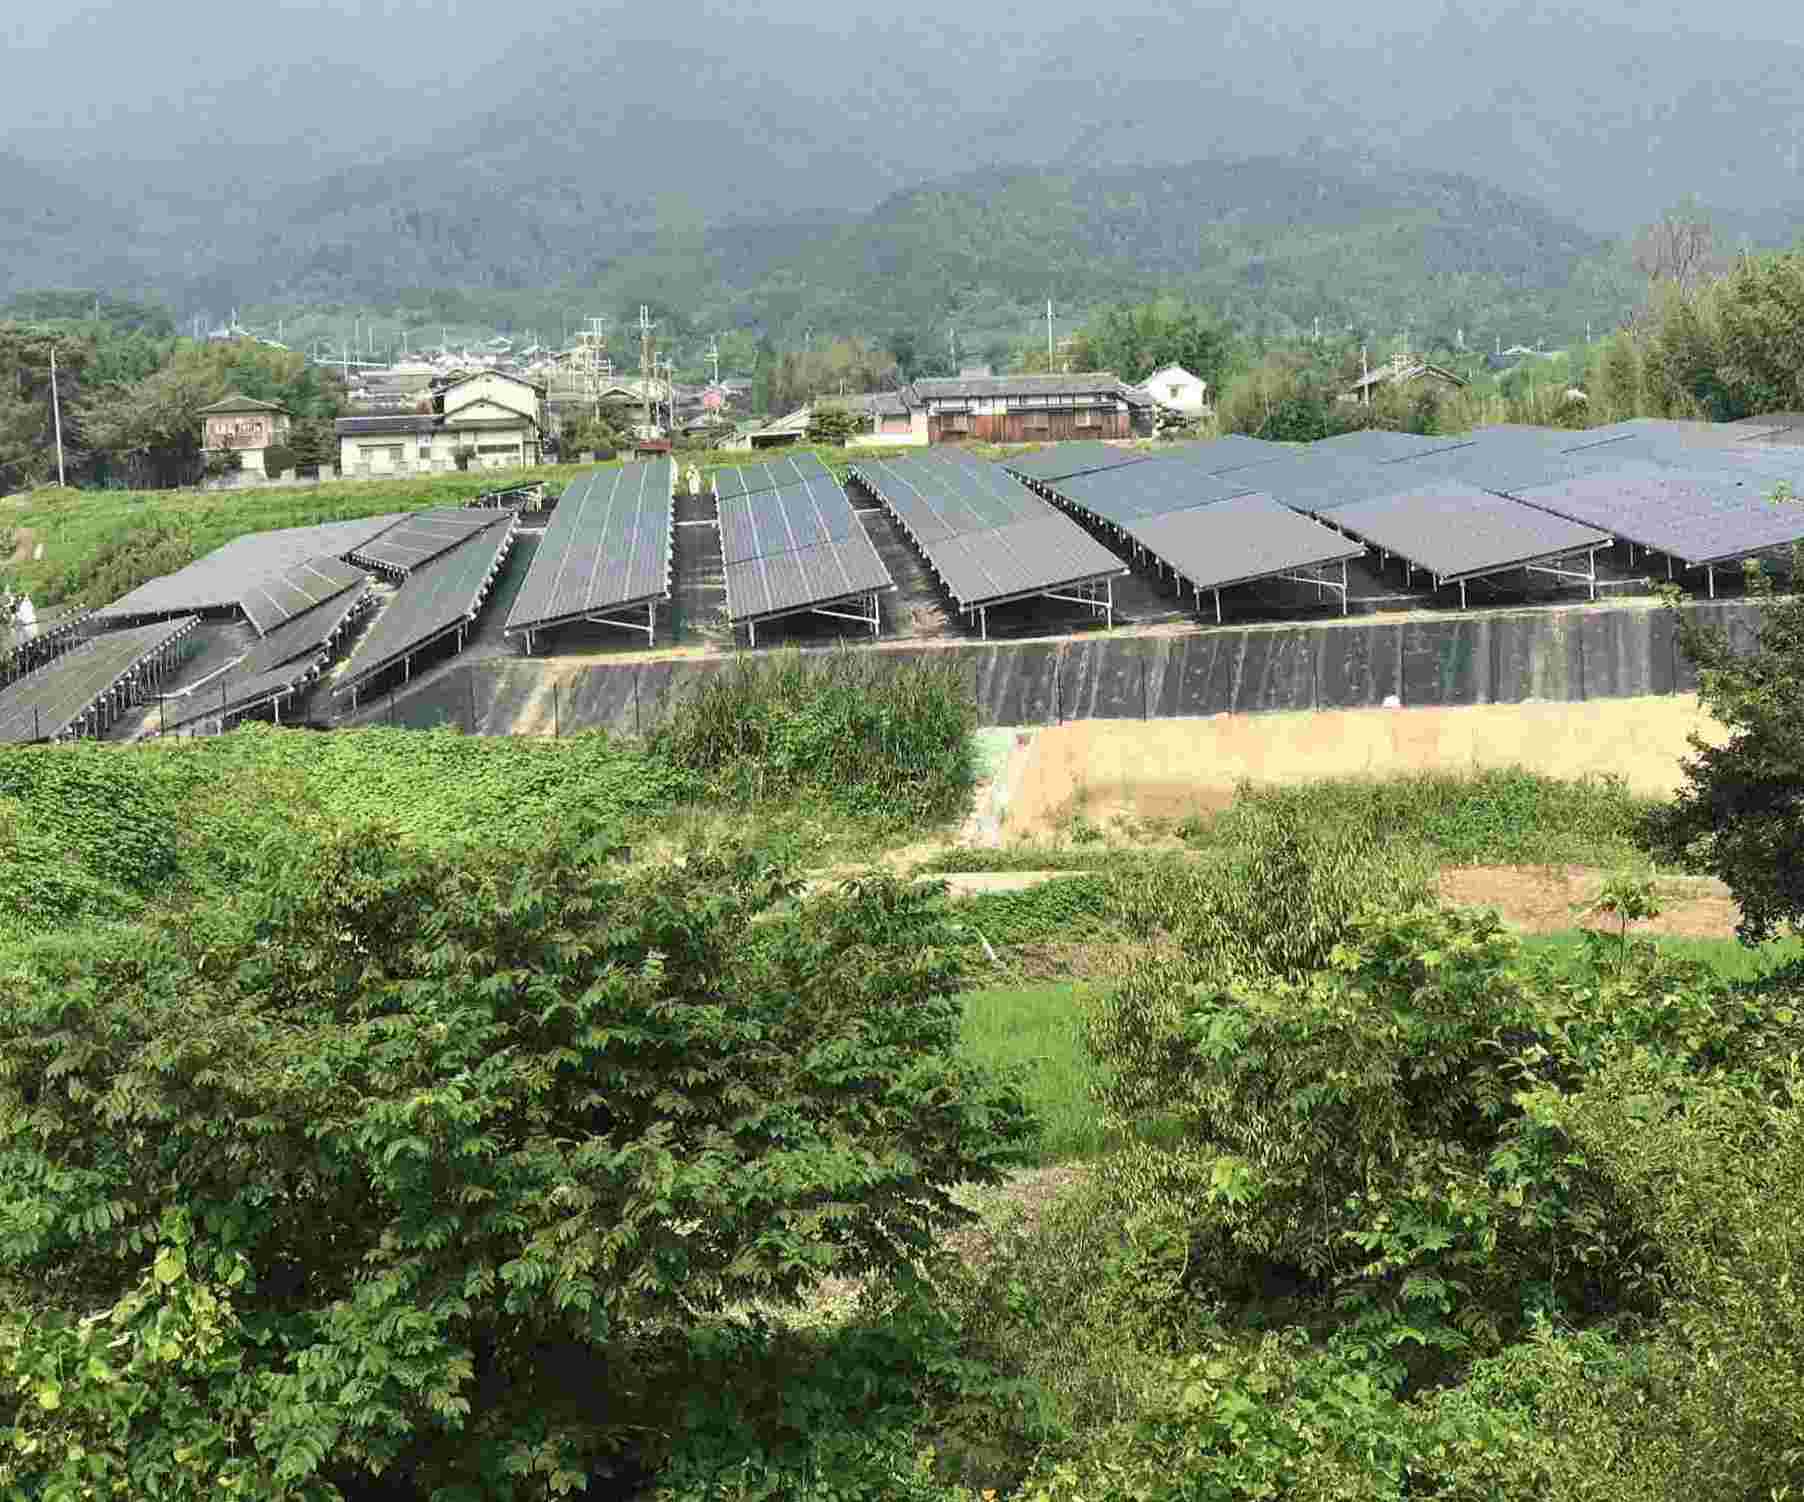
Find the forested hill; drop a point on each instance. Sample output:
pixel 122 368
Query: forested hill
pixel 1275 242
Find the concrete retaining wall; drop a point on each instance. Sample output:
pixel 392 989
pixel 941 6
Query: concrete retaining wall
pixel 1554 656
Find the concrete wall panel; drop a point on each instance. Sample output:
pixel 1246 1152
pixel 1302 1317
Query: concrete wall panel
pixel 1445 662
pixel 1104 680
pixel 1620 656
pixel 1356 667
pixel 1278 674
pixel 1538 657
pixel 1199 676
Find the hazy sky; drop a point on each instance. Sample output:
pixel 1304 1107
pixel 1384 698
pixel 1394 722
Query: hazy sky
pixel 1571 102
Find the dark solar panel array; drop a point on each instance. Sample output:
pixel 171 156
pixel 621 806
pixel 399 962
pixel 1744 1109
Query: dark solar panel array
pixel 1314 482
pixel 1696 517
pixel 238 694
pixel 785 583
pixel 1384 446
pixel 938 496
pixel 1460 531
pixel 271 602
pixel 304 636
pixel 1224 455
pixel 1499 466
pixel 46 703
pixel 423 536
pixel 1063 460
pixel 1024 558
pixel 802 515
pixel 607 546
pixel 432 602
pixel 220 579
pixel 985 534
pixel 1160 485
pixel 773 474
pixel 1240 539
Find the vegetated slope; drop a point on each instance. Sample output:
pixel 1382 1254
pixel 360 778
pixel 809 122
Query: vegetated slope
pixel 1276 242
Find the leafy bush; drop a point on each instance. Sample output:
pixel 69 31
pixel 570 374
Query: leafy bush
pixel 1503 816
pixel 403 1168
pixel 874 739
pixel 81 832
pixel 278 459
pixel 1068 907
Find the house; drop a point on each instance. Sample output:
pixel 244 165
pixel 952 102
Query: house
pixel 888 418
pixel 1403 370
pixel 1023 408
pixel 498 419
pixel 1175 387
pixel 244 425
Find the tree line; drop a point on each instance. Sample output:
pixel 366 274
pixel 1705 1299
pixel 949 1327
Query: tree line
pixel 130 393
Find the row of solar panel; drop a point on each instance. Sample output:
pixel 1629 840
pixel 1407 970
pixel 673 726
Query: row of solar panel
pixel 607 547
pixel 987 537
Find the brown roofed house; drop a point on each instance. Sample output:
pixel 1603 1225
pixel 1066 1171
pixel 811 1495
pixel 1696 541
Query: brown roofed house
pixel 243 424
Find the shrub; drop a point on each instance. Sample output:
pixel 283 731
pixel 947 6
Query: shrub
pixel 278 459
pixel 402 1163
pixel 871 738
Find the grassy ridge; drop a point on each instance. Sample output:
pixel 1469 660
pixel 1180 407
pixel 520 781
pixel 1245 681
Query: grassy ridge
pixel 99 544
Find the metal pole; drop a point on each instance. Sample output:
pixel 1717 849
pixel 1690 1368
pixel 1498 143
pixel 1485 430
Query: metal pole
pixel 556 730
pixel 56 411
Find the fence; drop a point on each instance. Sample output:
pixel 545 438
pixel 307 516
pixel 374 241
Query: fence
pixel 1554 655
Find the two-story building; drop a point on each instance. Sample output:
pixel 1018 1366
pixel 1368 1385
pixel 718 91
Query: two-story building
pixel 496 418
pixel 1024 408
pixel 243 425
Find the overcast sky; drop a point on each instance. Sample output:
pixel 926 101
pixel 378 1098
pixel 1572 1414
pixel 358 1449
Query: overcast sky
pixel 915 89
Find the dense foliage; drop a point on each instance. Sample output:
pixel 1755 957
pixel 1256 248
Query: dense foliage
pixel 87 831
pixel 1740 816
pixel 872 738
pixel 406 1169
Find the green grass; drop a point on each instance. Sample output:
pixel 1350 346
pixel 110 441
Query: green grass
pixel 1727 957
pixel 1036 1027
pixel 1505 816
pixel 99 544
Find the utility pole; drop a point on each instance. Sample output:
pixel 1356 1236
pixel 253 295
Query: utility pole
pixel 1049 335
pixel 714 355
pixel 1365 375
pixel 645 362
pixel 56 412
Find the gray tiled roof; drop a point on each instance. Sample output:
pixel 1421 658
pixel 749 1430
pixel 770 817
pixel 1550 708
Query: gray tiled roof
pixel 1085 383
pixel 397 422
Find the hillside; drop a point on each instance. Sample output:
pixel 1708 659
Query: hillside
pixel 1274 242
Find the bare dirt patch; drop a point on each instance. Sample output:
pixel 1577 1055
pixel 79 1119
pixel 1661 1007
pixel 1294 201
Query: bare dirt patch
pixel 23 538
pixel 1553 899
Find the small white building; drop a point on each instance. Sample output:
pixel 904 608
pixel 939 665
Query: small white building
pixel 495 419
pixel 1175 387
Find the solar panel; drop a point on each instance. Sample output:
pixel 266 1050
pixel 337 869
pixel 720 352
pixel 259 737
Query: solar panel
pixel 433 602
pixel 239 694
pixel 271 602
pixel 52 700
pixel 773 474
pixel 1761 468
pixel 1027 558
pixel 607 546
pixel 1232 451
pixel 1382 445
pixel 786 583
pixel 1694 516
pixel 423 536
pixel 781 521
pixel 219 580
pixel 1243 538
pixel 937 496
pixel 1460 531
pixel 1497 466
pixel 1062 460
pixel 1150 489
pixel 1316 482
pixel 305 636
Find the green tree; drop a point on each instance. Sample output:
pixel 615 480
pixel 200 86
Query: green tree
pixel 412 1166
pixel 832 422
pixel 1738 815
pixel 1135 340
